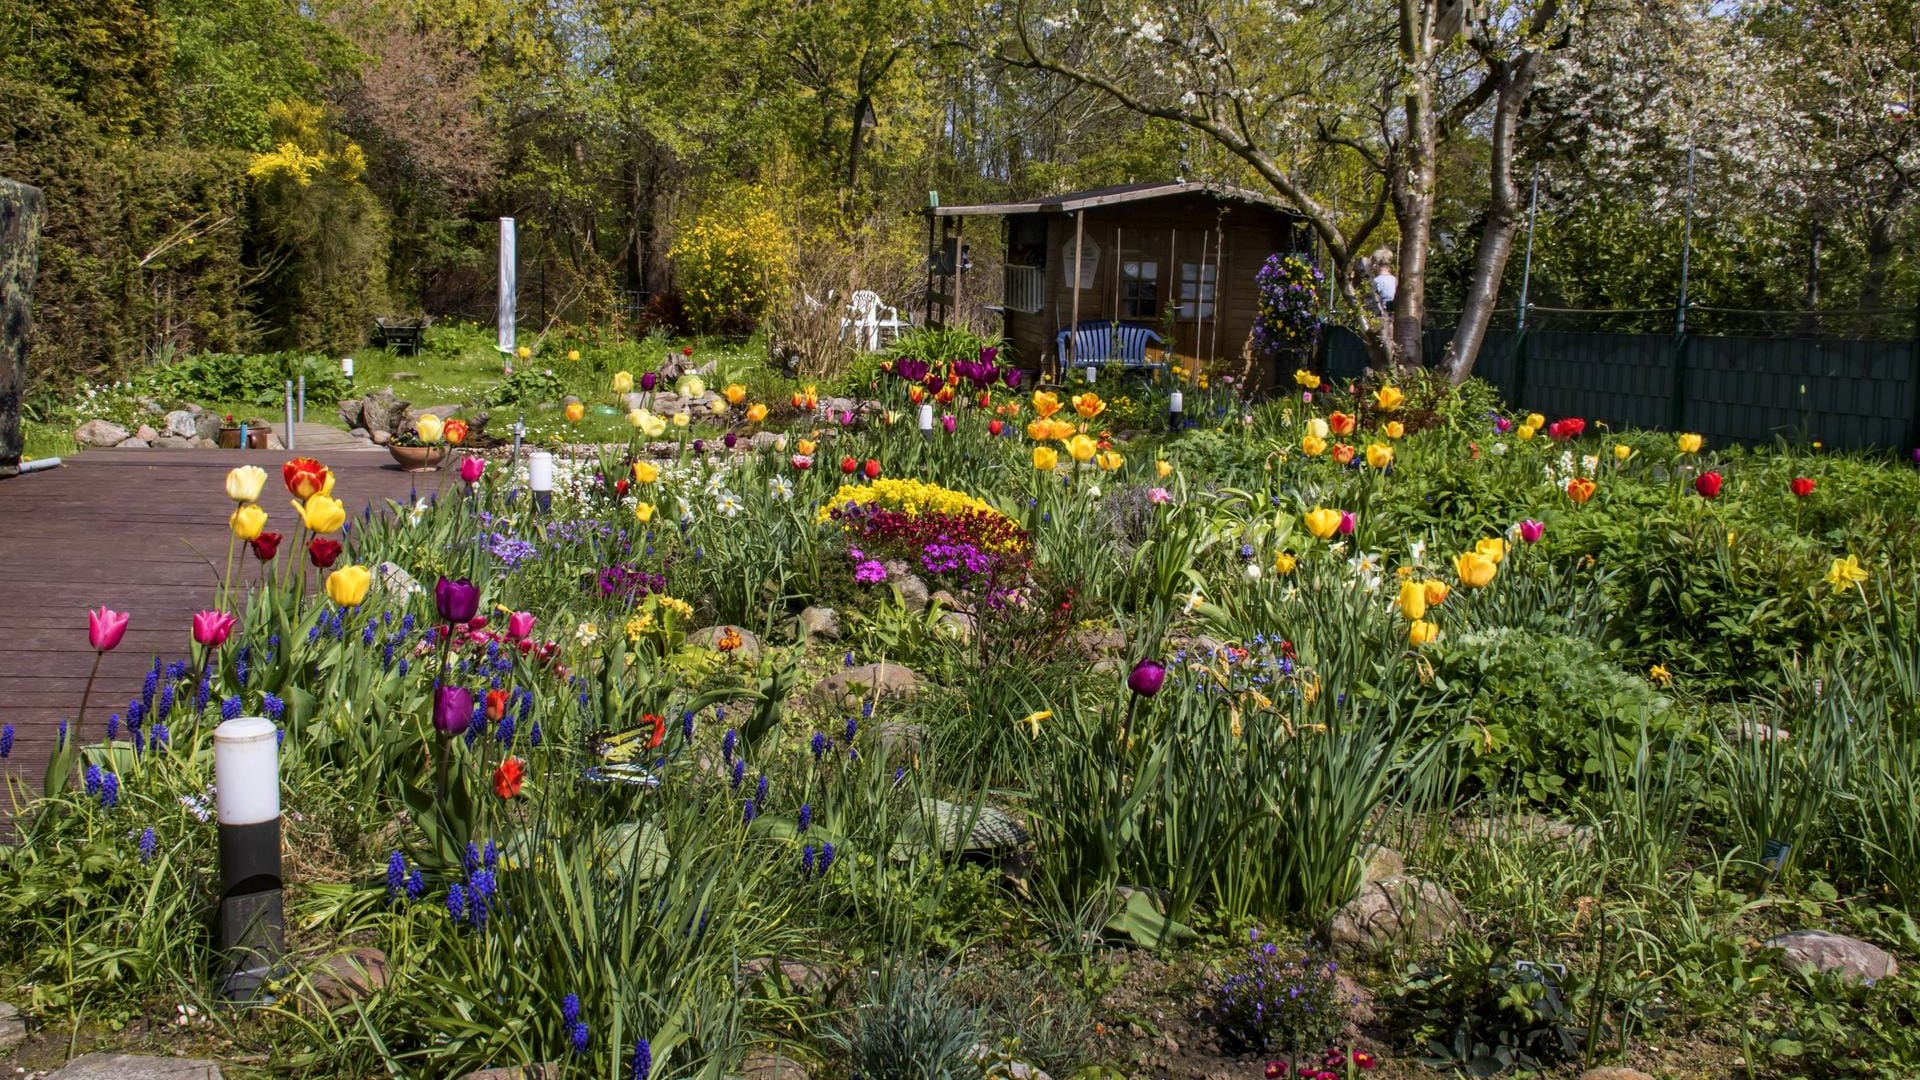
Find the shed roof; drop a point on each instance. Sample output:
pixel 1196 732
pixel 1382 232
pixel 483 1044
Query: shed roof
pixel 1108 196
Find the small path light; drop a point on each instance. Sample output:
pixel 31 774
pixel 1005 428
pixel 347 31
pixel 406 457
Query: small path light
pixel 252 932
pixel 1176 404
pixel 540 479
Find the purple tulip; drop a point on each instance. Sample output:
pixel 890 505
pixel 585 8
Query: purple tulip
pixel 1346 523
pixel 846 418
pixel 1530 530
pixel 452 710
pixel 947 422
pixel 1146 677
pixel 649 380
pixel 730 440
pixel 1503 425
pixel 989 354
pixel 458 600
pixel 699 446
pixel 1012 377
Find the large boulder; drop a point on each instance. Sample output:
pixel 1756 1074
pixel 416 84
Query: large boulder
pixel 913 591
pixel 181 423
pixel 850 687
pixel 1395 910
pixel 1850 958
pixel 382 410
pixel 136 1067
pixel 819 624
pixel 100 433
pixel 350 409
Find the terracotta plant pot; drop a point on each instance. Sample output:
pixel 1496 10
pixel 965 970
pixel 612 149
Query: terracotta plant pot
pixel 418 458
pixel 229 438
pixel 257 437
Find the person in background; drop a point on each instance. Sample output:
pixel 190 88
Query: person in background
pixel 1383 288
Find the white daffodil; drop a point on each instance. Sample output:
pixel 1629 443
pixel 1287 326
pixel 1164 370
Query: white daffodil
pixel 781 487
pixel 727 503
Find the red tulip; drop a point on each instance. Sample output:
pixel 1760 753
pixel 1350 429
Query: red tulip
pixel 659 724
pixel 620 487
pixel 520 625
pixel 995 427
pixel 848 465
pixel 686 350
pixel 266 545
pixel 872 469
pixel 105 628
pixel 496 705
pixel 1708 485
pixel 323 551
pixel 304 476
pixel 1802 486
pixel 210 628
pixel 802 462
pixel 507 777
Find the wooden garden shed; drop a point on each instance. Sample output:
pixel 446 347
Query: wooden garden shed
pixel 1170 262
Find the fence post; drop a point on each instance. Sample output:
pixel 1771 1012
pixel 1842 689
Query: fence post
pixel 1519 396
pixel 1677 417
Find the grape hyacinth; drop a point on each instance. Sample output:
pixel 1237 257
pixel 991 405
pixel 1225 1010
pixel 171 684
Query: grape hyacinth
pixel 148 844
pixel 6 741
pixel 642 1059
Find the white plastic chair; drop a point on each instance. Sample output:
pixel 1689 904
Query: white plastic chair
pixel 869 320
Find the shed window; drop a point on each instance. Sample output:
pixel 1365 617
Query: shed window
pixel 1196 290
pixel 1139 289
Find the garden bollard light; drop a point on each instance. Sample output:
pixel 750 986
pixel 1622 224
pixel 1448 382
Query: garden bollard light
pixel 346 368
pixel 289 438
pixel 926 421
pixel 252 930
pixel 1176 404
pixel 302 415
pixel 540 478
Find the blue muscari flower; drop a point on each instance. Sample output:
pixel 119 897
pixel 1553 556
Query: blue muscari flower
pixel 584 699
pixel 242 662
pixel 113 726
pixel 406 623
pixel 396 874
pixel 151 684
pixel 526 704
pixel 160 735
pixel 747 813
pixel 313 634
pixel 570 1009
pixel 62 740
pixel 177 670
pixel 577 1036
pixel 504 734
pixel 230 708
pixel 6 741
pixel 471 860
pixel 642 1059
pixel 92 776
pixel 476 906
pixel 109 790
pixel 416 885
pixel 760 792
pixel 819 745
pixel 727 744
pixel 386 657
pixel 853 728
pixel 806 816
pixel 279 737
pixel 739 770
pixel 474 724
pixel 166 701
pixel 457 902
pixel 404 665
pixel 806 860
pixel 686 725
pixel 826 857
pixel 136 712
pixel 273 705
pixel 847 661
pixel 533 735
pixel 148 843
pixel 719 714
pixel 866 710
pixel 494 683
pixel 140 740
pixel 490 857
pixel 205 692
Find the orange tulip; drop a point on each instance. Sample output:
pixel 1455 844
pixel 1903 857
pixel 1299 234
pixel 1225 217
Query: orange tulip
pixel 1342 453
pixel 1341 423
pixel 576 412
pixel 1580 489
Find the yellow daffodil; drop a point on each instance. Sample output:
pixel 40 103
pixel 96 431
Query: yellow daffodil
pixel 1306 380
pixel 1045 458
pixel 1689 443
pixel 1493 548
pixel 645 472
pixel 1658 673
pixel 247 521
pixel 245 483
pixel 321 513
pixel 429 427
pixel 756 412
pixel 1080 448
pixel 1032 722
pixel 1395 429
pixel 1622 452
pixel 623 382
pixel 1474 569
pixel 1163 469
pixel 576 412
pixel 1089 404
pixel 1108 460
pixel 523 352
pixel 1313 445
pixel 1412 600
pixel 1845 573
pixel 643 512
pixel 1379 455
pixel 1422 632
pixel 1436 591
pixel 1322 522
pixel 1284 563
pixel 735 393
pixel 348 585
pixel 1388 398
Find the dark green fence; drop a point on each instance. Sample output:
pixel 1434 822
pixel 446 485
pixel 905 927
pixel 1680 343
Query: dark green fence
pixel 1847 393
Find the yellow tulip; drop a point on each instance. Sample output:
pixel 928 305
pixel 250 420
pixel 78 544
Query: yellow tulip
pixel 1284 563
pixel 247 521
pixel 1493 548
pixel 1045 404
pixel 1040 431
pixel 1379 455
pixel 1080 448
pixel 1313 445
pixel 1163 469
pixel 1045 458
pixel 523 352
pixel 735 393
pixel 573 356
pixel 1622 452
pixel 1306 380
pixel 1536 421
pixel 1395 429
pixel 321 513
pixel 1474 569
pixel 1388 398
pixel 1089 404
pixel 576 412
pixel 756 413
pixel 718 407
pixel 1322 522
pixel 1422 632
pixel 636 417
pixel 1108 460
pixel 1203 382
pixel 245 483
pixel 348 585
pixel 623 382
pixel 429 427
pixel 1690 443
pixel 1524 432
pixel 1413 600
pixel 1317 427
pixel 643 512
pixel 1435 590
pixel 682 419
pixel 805 446
pixel 645 472
pixel 1845 573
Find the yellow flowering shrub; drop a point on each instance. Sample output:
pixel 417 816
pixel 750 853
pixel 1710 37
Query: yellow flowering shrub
pixel 730 258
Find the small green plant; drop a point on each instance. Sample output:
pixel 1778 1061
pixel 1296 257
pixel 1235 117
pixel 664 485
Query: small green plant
pixel 912 1026
pixel 1265 1002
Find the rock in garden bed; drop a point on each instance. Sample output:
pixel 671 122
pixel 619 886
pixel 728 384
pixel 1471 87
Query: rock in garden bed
pixel 850 687
pixel 1850 958
pixel 1397 910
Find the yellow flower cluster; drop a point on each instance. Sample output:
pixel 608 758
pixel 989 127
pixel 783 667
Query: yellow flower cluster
pixel 912 497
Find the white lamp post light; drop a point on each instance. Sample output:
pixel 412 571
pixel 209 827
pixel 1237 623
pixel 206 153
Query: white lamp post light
pixel 252 931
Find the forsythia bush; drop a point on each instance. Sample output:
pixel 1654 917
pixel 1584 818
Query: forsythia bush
pixel 729 261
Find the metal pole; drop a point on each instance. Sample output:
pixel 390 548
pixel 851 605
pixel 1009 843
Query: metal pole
pixel 289 439
pixel 1686 251
pixel 1526 266
pixel 302 417
pixel 1073 324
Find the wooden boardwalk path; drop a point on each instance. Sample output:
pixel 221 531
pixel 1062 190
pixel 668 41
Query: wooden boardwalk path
pixel 140 531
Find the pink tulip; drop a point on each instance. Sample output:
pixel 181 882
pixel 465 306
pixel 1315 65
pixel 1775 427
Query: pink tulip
pixel 105 628
pixel 1531 530
pixel 947 423
pixel 520 625
pixel 210 628
pixel 1346 523
pixel 471 468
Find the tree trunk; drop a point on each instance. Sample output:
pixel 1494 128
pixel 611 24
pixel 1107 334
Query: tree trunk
pixel 1413 183
pixel 20 218
pixel 861 103
pixel 1503 218
pixel 1880 248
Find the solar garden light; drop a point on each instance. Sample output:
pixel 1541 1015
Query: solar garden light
pixel 253 930
pixel 1176 404
pixel 540 478
pixel 926 421
pixel 346 368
